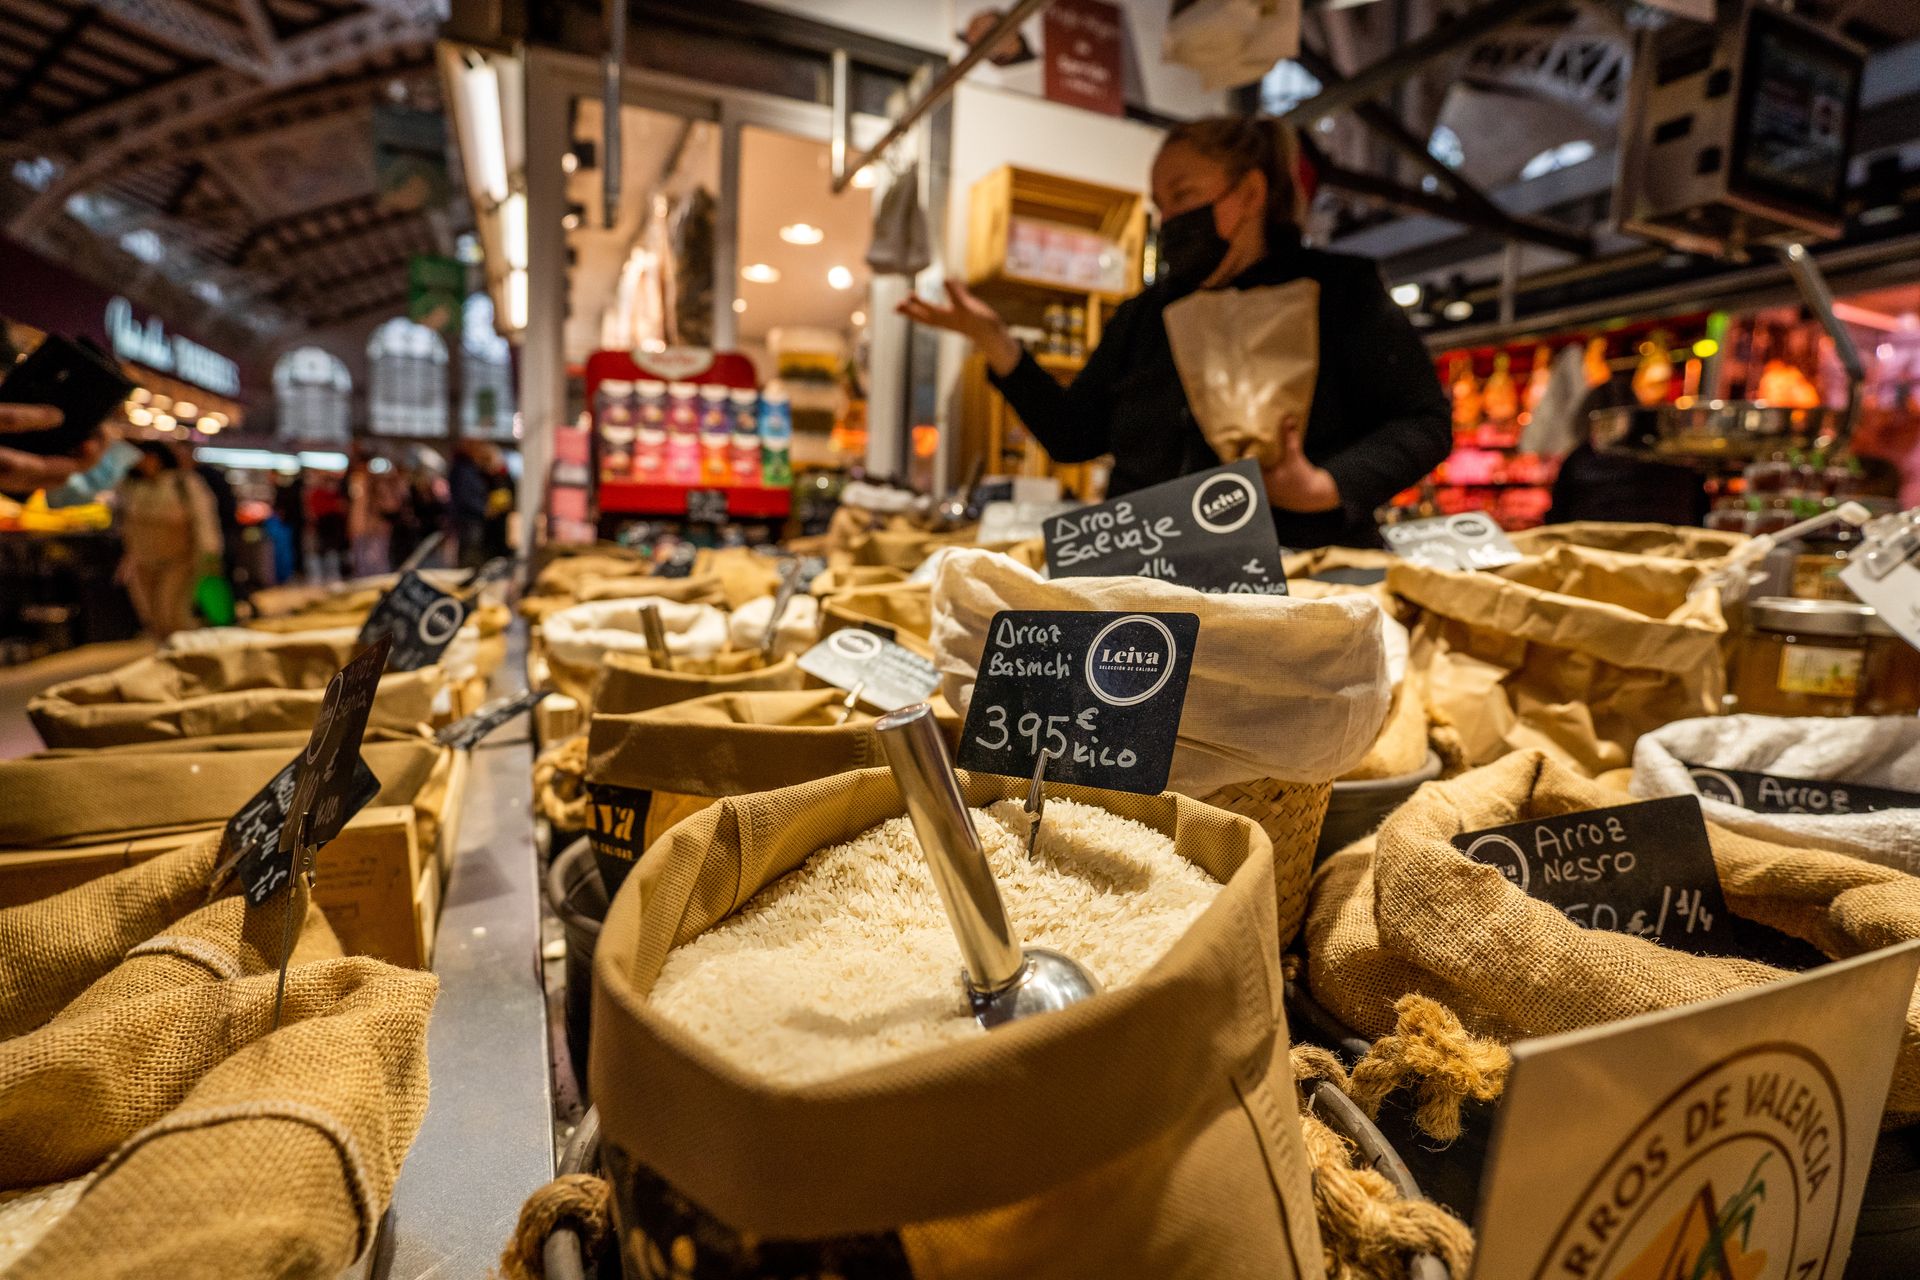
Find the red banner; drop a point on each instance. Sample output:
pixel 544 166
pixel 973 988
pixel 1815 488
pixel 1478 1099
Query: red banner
pixel 1083 44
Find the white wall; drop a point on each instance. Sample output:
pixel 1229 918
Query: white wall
pixel 920 23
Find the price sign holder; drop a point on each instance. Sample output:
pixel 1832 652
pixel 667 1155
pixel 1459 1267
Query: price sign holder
pixel 884 675
pixel 1465 541
pixel 418 620
pixel 1732 1137
pixel 1102 691
pixel 465 734
pixel 1212 531
pixel 1771 793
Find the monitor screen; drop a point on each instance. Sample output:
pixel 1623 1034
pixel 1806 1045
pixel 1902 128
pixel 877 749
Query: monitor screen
pixel 1797 102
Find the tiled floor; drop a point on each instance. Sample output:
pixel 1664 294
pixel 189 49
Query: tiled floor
pixel 19 684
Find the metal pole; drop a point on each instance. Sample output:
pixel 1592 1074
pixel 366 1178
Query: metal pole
pixel 1509 280
pixel 841 120
pixel 1819 300
pixel 1008 24
pixel 611 72
pixel 1403 62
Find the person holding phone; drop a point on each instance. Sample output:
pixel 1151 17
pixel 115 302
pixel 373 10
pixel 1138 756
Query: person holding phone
pixel 1230 208
pixel 22 473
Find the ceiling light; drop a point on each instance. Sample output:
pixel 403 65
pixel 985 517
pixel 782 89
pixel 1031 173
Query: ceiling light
pixel 840 277
pixel 858 318
pixel 571 221
pixel 162 401
pixel 1407 295
pixel 164 421
pixel 181 409
pixel 865 179
pixel 140 417
pixel 1706 348
pixel 486 149
pixel 739 305
pixel 802 233
pixel 139 395
pixel 759 273
pixel 517 300
pixel 513 231
pixel 1458 309
pixel 569 162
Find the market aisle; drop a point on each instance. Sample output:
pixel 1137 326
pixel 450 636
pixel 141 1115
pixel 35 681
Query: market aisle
pixel 19 684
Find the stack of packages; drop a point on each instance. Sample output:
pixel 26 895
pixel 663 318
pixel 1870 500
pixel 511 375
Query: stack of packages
pixel 1589 674
pixel 159 1121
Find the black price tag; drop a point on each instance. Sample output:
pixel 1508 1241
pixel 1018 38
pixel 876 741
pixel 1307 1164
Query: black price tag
pixel 495 570
pixel 1770 793
pixel 465 734
pixel 679 564
pixel 1465 541
pixel 707 506
pixel 253 834
pixel 328 786
pixel 418 618
pixel 1644 869
pixel 1212 531
pixel 1104 691
pixel 887 675
pixel 616 829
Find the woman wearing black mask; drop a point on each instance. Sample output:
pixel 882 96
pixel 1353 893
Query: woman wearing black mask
pixel 1230 210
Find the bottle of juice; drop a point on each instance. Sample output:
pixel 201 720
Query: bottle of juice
pixel 1466 396
pixel 716 435
pixel 1539 379
pixel 683 433
pixel 776 438
pixel 1500 400
pixel 744 457
pixel 614 408
pixel 650 438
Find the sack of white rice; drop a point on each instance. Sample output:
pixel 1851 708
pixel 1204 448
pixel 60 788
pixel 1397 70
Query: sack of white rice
pixel 1411 914
pixel 139 1063
pixel 798 630
pixel 243 689
pixel 1574 652
pixel 579 639
pixel 1852 756
pixel 787 1069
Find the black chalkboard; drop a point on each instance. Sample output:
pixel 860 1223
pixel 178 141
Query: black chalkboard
pixel 707 506
pixel 465 734
pixel 1644 869
pixel 418 618
pixel 1102 690
pixel 616 829
pixel 1212 530
pixel 1771 793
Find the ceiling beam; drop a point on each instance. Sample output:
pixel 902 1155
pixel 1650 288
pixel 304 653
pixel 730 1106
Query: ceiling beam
pixel 44 61
pixel 380 303
pixel 273 228
pixel 266 41
pixel 189 29
pixel 284 266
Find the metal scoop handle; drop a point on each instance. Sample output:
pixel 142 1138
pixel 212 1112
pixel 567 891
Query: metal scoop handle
pixel 656 634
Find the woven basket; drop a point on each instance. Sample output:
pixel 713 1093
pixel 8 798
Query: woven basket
pixel 1290 813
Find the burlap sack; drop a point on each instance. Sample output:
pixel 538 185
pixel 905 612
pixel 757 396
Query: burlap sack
pixel 1152 1131
pixel 559 576
pixel 1873 751
pixel 706 589
pixel 850 577
pixel 579 640
pixel 744 574
pixel 347 604
pixel 139 1050
pixel 1248 359
pixel 1675 542
pixel 798 631
pixel 1285 688
pixel 1413 914
pixel 225 691
pixel 902 613
pixel 1574 652
pixel 629 682
pixel 477 651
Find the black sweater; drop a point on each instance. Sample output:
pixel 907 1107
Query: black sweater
pixel 1379 420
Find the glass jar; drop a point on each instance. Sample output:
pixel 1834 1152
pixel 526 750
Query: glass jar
pixel 1800 658
pixel 1892 675
pixel 1818 559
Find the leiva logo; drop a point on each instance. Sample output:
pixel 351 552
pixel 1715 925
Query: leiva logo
pixel 1130 660
pixel 1225 503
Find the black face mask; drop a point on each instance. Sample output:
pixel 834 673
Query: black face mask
pixel 1191 247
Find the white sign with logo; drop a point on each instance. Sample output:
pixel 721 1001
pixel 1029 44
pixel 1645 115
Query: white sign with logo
pixel 1469 540
pixel 151 345
pixel 886 675
pixel 1727 1140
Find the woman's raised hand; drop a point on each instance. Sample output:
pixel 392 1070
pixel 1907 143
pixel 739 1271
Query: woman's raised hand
pixel 1294 483
pixel 971 319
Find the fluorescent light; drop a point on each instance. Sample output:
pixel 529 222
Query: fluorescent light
pixel 513 231
pixel 802 233
pixel 323 461
pixel 1407 295
pixel 1458 309
pixel 487 153
pixel 840 277
pixel 247 459
pixel 759 273
pixel 739 305
pixel 516 300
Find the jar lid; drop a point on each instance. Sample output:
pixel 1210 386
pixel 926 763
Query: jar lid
pixel 651 387
pixel 745 395
pixel 1811 617
pixel 713 391
pixel 616 387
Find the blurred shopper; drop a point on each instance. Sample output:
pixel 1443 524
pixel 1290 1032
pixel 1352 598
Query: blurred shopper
pixel 1602 486
pixel 468 489
pixel 227 506
pixel 366 524
pixel 421 513
pixel 329 513
pixel 497 532
pixel 20 472
pixel 290 504
pixel 171 532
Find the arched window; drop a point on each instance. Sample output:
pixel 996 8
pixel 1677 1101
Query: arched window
pixel 486 392
pixel 407 371
pixel 311 392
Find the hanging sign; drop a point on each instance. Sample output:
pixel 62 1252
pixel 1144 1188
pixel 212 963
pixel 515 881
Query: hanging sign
pixel 1083 47
pixel 436 292
pixel 151 345
pixel 1736 1144
pixel 1102 691
pixel 1469 540
pixel 1770 793
pixel 887 676
pixel 616 829
pixel 1885 573
pixel 465 734
pixel 419 619
pixel 1212 531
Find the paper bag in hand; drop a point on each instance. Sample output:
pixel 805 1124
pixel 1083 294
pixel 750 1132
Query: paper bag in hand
pixel 1248 359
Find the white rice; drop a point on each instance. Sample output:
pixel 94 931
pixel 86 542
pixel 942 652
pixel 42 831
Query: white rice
pixel 29 1213
pixel 848 962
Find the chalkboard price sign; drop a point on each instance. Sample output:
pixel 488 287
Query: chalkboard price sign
pixel 1769 793
pixel 1644 869
pixel 1212 531
pixel 418 618
pixel 1468 540
pixel 1102 691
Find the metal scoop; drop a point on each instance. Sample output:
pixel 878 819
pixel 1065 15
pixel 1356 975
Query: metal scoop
pixel 1004 982
pixel 656 634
